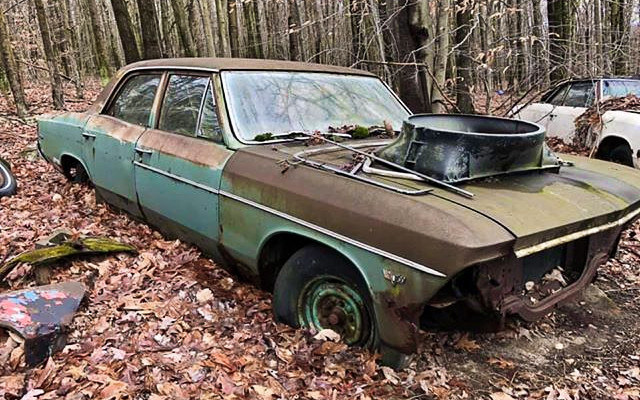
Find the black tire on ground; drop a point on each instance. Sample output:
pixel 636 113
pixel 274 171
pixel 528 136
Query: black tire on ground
pixel 621 154
pixel 8 182
pixel 316 269
pixel 75 173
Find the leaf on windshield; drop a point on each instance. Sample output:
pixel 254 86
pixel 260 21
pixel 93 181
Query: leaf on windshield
pixel 263 137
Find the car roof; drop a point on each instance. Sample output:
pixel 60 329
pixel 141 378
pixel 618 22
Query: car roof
pixel 603 78
pixel 241 64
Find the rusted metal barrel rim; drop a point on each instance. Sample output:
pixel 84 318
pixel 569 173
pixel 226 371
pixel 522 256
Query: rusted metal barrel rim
pixel 442 123
pixel 456 148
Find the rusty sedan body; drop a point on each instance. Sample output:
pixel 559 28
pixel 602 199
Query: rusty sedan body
pixel 174 143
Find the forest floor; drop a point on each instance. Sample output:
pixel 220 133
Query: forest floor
pixel 168 323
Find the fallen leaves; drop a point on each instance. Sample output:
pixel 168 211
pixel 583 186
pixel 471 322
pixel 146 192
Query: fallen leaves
pixel 466 344
pixel 501 363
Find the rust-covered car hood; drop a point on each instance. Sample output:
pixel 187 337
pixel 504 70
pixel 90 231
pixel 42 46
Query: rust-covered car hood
pixel 442 230
pixel 539 207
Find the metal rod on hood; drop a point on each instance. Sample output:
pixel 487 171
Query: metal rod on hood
pixel 427 178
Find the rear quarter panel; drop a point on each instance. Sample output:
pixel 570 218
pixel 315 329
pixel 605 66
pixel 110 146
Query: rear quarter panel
pixel 60 135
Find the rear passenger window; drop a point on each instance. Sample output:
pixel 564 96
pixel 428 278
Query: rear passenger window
pixel 134 101
pixel 182 104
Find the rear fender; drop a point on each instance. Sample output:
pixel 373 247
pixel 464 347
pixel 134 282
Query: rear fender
pixel 59 164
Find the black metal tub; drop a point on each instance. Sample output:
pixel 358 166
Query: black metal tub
pixel 455 148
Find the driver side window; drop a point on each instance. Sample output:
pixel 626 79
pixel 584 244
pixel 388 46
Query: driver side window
pixel 581 94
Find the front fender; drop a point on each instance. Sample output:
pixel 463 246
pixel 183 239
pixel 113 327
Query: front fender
pixel 398 292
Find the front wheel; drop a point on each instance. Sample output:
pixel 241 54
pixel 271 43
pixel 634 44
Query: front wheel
pixel 319 289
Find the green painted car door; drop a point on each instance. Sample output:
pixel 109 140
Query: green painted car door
pixel 110 138
pixel 179 164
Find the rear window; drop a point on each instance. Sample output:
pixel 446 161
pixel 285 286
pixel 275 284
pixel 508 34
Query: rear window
pixel 134 101
pixel 620 88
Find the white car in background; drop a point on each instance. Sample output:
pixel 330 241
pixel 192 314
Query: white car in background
pixel 558 109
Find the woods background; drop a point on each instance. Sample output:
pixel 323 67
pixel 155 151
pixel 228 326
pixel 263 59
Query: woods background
pixel 439 55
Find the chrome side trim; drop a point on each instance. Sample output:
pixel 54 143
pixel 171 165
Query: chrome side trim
pixel 177 178
pixel 527 251
pixel 338 236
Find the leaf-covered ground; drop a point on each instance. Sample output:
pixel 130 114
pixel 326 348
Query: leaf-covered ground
pixel 168 323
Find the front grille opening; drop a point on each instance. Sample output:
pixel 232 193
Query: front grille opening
pixel 546 272
pixel 473 299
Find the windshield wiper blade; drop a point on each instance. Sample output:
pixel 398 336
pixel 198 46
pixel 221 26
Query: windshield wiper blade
pixel 427 178
pixel 296 135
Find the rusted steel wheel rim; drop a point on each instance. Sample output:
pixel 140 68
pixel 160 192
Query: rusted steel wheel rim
pixel 328 303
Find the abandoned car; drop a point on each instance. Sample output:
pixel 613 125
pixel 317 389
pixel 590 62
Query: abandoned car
pixel 558 109
pixel 294 176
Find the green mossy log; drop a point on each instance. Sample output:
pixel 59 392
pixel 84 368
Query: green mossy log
pixel 86 246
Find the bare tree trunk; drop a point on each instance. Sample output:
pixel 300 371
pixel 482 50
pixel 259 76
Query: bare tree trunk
pixel 253 31
pixel 71 51
pixel 413 38
pixel 599 38
pixel 207 24
pixel 294 32
pixel 51 55
pixel 126 31
pixel 540 62
pixel 441 57
pixel 104 66
pixel 222 9
pixel 183 28
pixel 558 11
pixel 464 100
pixel 10 67
pixel 150 31
pixel 233 28
pixel 618 32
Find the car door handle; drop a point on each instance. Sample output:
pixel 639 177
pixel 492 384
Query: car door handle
pixel 143 151
pixel 88 135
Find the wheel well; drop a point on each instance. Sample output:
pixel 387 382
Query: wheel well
pixel 278 249
pixel 68 162
pixel 609 143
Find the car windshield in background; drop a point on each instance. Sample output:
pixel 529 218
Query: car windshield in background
pixel 283 102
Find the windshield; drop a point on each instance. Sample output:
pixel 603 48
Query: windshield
pixel 282 102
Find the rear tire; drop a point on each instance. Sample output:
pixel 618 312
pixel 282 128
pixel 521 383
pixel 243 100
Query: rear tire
pixel 8 182
pixel 319 289
pixel 621 154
